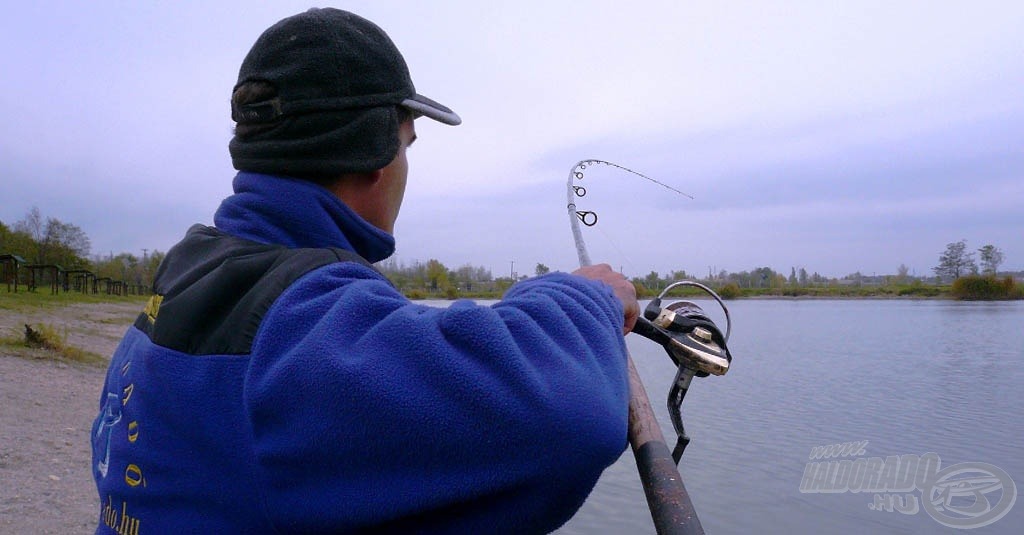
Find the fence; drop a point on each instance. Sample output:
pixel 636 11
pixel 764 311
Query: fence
pixel 15 271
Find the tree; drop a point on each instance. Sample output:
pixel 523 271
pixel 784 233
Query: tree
pixel 65 244
pixel 652 281
pixel 51 241
pixel 19 243
pixel 150 264
pixel 32 227
pixel 956 261
pixel 4 235
pixel 742 279
pixel 901 274
pixel 119 267
pixel 469 276
pixel 463 277
pixel 32 224
pixel 991 257
pixel 437 275
pixel 792 276
pixel 765 277
pixel 541 269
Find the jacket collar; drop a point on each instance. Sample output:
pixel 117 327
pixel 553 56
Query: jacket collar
pixel 297 213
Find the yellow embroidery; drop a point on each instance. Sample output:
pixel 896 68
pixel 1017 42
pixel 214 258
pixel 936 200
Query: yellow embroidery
pixel 123 524
pixel 133 476
pixel 153 307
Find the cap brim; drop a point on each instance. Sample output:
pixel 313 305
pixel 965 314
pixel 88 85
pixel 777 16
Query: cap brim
pixel 422 105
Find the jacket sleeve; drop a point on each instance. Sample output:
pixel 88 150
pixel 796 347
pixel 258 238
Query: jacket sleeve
pixel 368 410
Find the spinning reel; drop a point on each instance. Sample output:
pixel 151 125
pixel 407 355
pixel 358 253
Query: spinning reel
pixel 694 343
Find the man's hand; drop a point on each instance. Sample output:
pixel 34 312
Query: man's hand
pixel 623 289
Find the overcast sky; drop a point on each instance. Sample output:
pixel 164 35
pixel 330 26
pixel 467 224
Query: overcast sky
pixel 837 137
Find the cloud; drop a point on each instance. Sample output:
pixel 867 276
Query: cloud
pixel 842 137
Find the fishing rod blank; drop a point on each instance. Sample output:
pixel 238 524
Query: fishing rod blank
pixel 669 503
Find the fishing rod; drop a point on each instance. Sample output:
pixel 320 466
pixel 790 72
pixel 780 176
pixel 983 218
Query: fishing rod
pixel 696 346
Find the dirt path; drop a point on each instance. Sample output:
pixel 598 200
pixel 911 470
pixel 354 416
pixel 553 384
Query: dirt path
pixel 47 410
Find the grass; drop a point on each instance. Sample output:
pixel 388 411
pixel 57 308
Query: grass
pixel 115 321
pixel 36 340
pixel 24 301
pixel 50 342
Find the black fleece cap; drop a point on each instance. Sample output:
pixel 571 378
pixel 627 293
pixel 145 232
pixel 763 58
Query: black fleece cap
pixel 338 79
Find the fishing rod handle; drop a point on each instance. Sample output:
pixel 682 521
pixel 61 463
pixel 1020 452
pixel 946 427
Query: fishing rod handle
pixel 667 499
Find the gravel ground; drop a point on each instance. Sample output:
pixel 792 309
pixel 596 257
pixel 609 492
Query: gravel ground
pixel 47 410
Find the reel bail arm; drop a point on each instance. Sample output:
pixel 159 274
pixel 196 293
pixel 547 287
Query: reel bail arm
pixel 694 343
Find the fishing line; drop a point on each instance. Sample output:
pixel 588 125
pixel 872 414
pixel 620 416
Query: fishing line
pixel 688 338
pixel 615 246
pixel 590 217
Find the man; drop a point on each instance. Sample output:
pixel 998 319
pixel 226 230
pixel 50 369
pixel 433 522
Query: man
pixel 277 382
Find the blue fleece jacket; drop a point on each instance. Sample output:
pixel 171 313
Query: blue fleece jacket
pixel 357 410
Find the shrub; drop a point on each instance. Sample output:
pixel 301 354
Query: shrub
pixel 979 287
pixel 641 290
pixel 729 291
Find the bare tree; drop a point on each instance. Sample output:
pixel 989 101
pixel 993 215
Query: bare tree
pixel 32 224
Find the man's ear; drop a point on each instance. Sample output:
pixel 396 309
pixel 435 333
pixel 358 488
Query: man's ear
pixel 351 185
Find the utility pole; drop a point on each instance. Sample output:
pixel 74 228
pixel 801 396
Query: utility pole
pixel 512 270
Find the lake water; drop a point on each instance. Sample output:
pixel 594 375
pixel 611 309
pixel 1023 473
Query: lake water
pixel 908 377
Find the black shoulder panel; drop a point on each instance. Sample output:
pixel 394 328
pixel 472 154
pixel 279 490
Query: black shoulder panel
pixel 213 289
